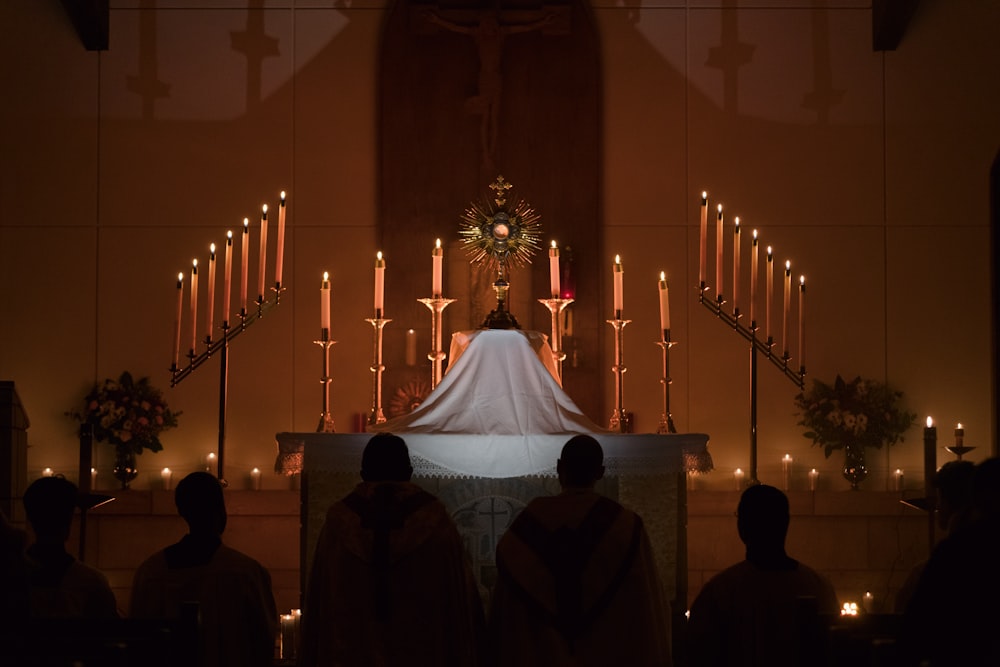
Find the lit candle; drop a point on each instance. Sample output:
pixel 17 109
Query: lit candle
pixel 619 274
pixel 802 323
pixel 279 260
pixel 194 305
pixel 718 254
pixel 869 602
pixel 554 270
pixel 177 319
pixel 736 266
pixel 47 472
pixel 664 306
pixel 411 348
pixel 379 284
pixel 437 259
pixel 245 267
pixel 210 461
pixel 227 280
pixel 930 462
pixel 211 291
pixel 786 470
pixel 166 476
pixel 255 479
pixel 769 289
pixel 897 480
pixel 788 304
pixel 754 251
pixel 959 436
pixel 263 254
pixel 287 636
pixel 93 478
pixel 813 478
pixel 324 306
pixel 738 478
pixel 703 239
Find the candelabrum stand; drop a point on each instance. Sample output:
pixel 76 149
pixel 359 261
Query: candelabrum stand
pixel 376 416
pixel 959 450
pixel 666 424
pixel 325 418
pixel 556 306
pixel 619 420
pixel 437 305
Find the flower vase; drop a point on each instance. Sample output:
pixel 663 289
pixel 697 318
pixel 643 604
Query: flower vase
pixel 854 465
pixel 124 470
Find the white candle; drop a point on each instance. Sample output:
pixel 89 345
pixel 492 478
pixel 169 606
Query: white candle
pixel 263 254
pixel 279 260
pixel 411 348
pixel 227 280
pixel 255 479
pixel 93 478
pixel 703 239
pixel 897 480
pixel 194 305
pixel 788 304
pixel 786 470
pixel 379 284
pixel 324 306
pixel 554 270
pixel 177 319
pixel 802 320
pixel 166 476
pixel 813 478
pixel 664 306
pixel 754 253
pixel 869 602
pixel 718 254
pixel 736 266
pixel 959 436
pixel 437 259
pixel 738 478
pixel 769 289
pixel 619 273
pixel 210 462
pixel 211 292
pixel 245 267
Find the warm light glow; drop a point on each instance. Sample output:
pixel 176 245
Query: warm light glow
pixel 618 259
pixel 194 263
pixel 959 425
pixel 246 224
pixel 720 208
pixel 229 235
pixel 180 277
pixel 378 255
pixel 437 243
pixel 849 609
pixel 282 195
pixel 554 245
pixel 663 276
pixel 788 457
pixel 802 280
pixel 769 252
pixel 263 209
pixel 211 248
pixel 930 422
pixel 736 221
pixel 326 276
pixel 788 265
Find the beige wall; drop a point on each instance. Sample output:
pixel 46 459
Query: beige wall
pixel 881 201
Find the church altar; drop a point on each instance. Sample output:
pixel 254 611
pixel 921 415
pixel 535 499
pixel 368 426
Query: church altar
pixel 486 441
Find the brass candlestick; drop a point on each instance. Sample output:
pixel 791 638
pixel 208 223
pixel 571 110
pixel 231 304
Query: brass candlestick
pixel 619 420
pixel 666 424
pixel 437 305
pixel 325 418
pixel 376 416
pixel 556 306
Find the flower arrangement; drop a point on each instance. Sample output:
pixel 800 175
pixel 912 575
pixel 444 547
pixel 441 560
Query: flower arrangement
pixel 129 414
pixel 860 412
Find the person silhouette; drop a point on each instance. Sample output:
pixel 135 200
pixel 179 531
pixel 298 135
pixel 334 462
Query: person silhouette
pixel 233 591
pixel 765 609
pixel 390 582
pixel 576 580
pixel 60 585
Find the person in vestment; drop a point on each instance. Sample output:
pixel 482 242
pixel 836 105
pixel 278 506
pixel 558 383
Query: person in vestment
pixel 390 582
pixel 59 585
pixel 232 590
pixel 768 610
pixel 576 581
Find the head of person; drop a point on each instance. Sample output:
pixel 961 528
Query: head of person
pixel 581 463
pixel 953 482
pixel 386 459
pixel 49 503
pixel 986 488
pixel 201 504
pixel 762 518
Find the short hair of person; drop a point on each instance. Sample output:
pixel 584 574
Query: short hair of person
pixel 386 458
pixel 954 482
pixel 581 462
pixel 762 515
pixel 49 503
pixel 200 501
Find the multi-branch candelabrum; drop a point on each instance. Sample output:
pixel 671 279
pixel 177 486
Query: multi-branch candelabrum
pixel 378 322
pixel 666 424
pixel 556 306
pixel 221 346
pixel 436 305
pixel 325 418
pixel 619 418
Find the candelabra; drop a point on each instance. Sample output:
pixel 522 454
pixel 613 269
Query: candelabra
pixel 666 424
pixel 378 322
pixel 619 419
pixel 437 305
pixel 556 306
pixel 325 418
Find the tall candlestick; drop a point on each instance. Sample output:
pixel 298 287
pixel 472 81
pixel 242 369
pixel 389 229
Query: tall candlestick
pixel 245 267
pixel 619 288
pixel 769 288
pixel 718 254
pixel 703 239
pixel 279 260
pixel 263 254
pixel 194 305
pixel 802 322
pixel 664 306
pixel 788 304
pixel 754 251
pixel 437 259
pixel 177 320
pixel 736 266
pixel 554 270
pixel 211 292
pixel 324 306
pixel 379 284
pixel 227 283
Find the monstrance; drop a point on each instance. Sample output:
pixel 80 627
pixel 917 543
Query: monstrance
pixel 497 236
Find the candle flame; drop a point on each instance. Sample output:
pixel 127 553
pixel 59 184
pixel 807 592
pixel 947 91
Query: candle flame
pixel 378 255
pixel 720 209
pixel 437 243
pixel 263 209
pixel 618 259
pixel 813 472
pixel 802 280
pixel 959 425
pixel 246 225
pixel 255 471
pixel 211 248
pixel 282 196
pixel 755 235
pixel 736 220
pixel 229 235
pixel 930 422
pixel 738 471
pixel 166 470
pixel 663 276
pixel 704 195
pixel 769 252
pixel 194 263
pixel 788 457
pixel 326 276
pixel 554 245
pixel 788 265
pixel 899 471
pixel 180 277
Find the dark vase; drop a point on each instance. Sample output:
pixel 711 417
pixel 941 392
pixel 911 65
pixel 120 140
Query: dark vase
pixel 125 470
pixel 854 465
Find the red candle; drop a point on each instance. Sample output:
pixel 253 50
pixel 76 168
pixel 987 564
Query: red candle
pixel 379 284
pixel 619 287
